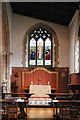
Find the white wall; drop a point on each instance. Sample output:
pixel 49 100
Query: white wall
pixel 72 36
pixel 20 26
pixel 63 39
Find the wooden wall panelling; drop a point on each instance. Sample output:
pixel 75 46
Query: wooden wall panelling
pixel 39 76
pixel 62 77
pixel 75 78
pixel 18 71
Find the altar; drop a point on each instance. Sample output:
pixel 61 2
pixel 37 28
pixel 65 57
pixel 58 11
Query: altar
pixel 40 90
pixel 39 81
pixel 40 96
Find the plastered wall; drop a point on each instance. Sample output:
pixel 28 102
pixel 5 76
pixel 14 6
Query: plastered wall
pixel 21 24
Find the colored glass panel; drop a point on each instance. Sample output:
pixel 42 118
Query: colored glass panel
pixel 32 51
pixel 47 51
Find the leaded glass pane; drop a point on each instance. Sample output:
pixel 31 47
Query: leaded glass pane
pixel 47 51
pixel 40 51
pixel 40 47
pixel 77 57
pixel 32 51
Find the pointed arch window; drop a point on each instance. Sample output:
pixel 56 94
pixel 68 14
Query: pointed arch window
pixel 77 53
pixel 40 48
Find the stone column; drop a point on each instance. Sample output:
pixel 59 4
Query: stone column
pixel 0 43
pixel 5 50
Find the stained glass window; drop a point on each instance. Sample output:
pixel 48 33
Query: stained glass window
pixel 77 53
pixel 40 48
pixel 47 51
pixel 40 51
pixel 77 56
pixel 32 51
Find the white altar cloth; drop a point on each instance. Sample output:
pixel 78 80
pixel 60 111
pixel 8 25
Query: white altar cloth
pixel 40 96
pixel 40 90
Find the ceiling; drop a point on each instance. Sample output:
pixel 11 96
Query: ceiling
pixel 56 12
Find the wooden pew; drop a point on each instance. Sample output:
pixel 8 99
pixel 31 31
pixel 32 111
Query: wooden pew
pixel 66 105
pixel 10 108
pixel 17 95
pixel 61 96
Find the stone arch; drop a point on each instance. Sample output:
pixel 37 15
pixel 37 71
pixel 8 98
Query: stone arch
pixel 26 39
